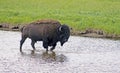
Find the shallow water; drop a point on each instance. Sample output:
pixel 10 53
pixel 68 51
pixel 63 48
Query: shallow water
pixel 78 55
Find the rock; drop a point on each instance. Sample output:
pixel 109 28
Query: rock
pixel 99 32
pixel 15 27
pixel 82 32
pixel 61 58
pixel 1 26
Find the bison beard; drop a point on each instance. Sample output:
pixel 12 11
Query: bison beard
pixel 48 31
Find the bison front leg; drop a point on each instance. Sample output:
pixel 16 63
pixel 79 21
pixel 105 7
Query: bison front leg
pixel 33 44
pixel 53 47
pixel 45 44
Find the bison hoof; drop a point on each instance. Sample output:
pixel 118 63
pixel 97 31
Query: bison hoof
pixel 32 51
pixel 46 50
pixel 21 51
pixel 52 49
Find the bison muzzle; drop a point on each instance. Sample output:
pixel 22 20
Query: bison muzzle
pixel 48 31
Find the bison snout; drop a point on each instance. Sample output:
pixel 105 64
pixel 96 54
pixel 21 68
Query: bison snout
pixel 65 40
pixel 62 42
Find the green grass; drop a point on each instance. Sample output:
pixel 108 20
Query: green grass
pixel 78 14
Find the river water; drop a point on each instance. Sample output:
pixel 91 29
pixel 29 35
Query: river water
pixel 78 55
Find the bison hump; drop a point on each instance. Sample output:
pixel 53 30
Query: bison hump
pixel 46 21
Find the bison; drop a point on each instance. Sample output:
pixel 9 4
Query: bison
pixel 48 31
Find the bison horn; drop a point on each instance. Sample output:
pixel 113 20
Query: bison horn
pixel 60 28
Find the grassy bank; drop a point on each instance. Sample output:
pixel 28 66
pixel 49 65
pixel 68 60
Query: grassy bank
pixel 79 14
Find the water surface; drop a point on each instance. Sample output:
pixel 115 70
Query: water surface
pixel 78 55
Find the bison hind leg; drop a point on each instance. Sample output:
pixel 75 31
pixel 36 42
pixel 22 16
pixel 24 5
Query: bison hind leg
pixel 21 43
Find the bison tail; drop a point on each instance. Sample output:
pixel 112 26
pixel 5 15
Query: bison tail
pixel 22 29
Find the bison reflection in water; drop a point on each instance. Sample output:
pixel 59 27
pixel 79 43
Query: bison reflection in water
pixel 48 31
pixel 51 56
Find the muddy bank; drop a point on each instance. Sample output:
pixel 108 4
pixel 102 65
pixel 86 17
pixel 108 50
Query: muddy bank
pixel 85 33
pixel 95 34
pixel 9 27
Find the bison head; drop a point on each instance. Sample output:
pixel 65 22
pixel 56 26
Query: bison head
pixel 64 34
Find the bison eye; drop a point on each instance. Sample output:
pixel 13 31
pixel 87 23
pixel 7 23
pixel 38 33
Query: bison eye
pixel 61 36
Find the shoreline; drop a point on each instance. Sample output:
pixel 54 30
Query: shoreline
pixel 86 33
pixel 94 34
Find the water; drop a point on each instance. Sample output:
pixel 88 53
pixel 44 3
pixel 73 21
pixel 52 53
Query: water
pixel 78 55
